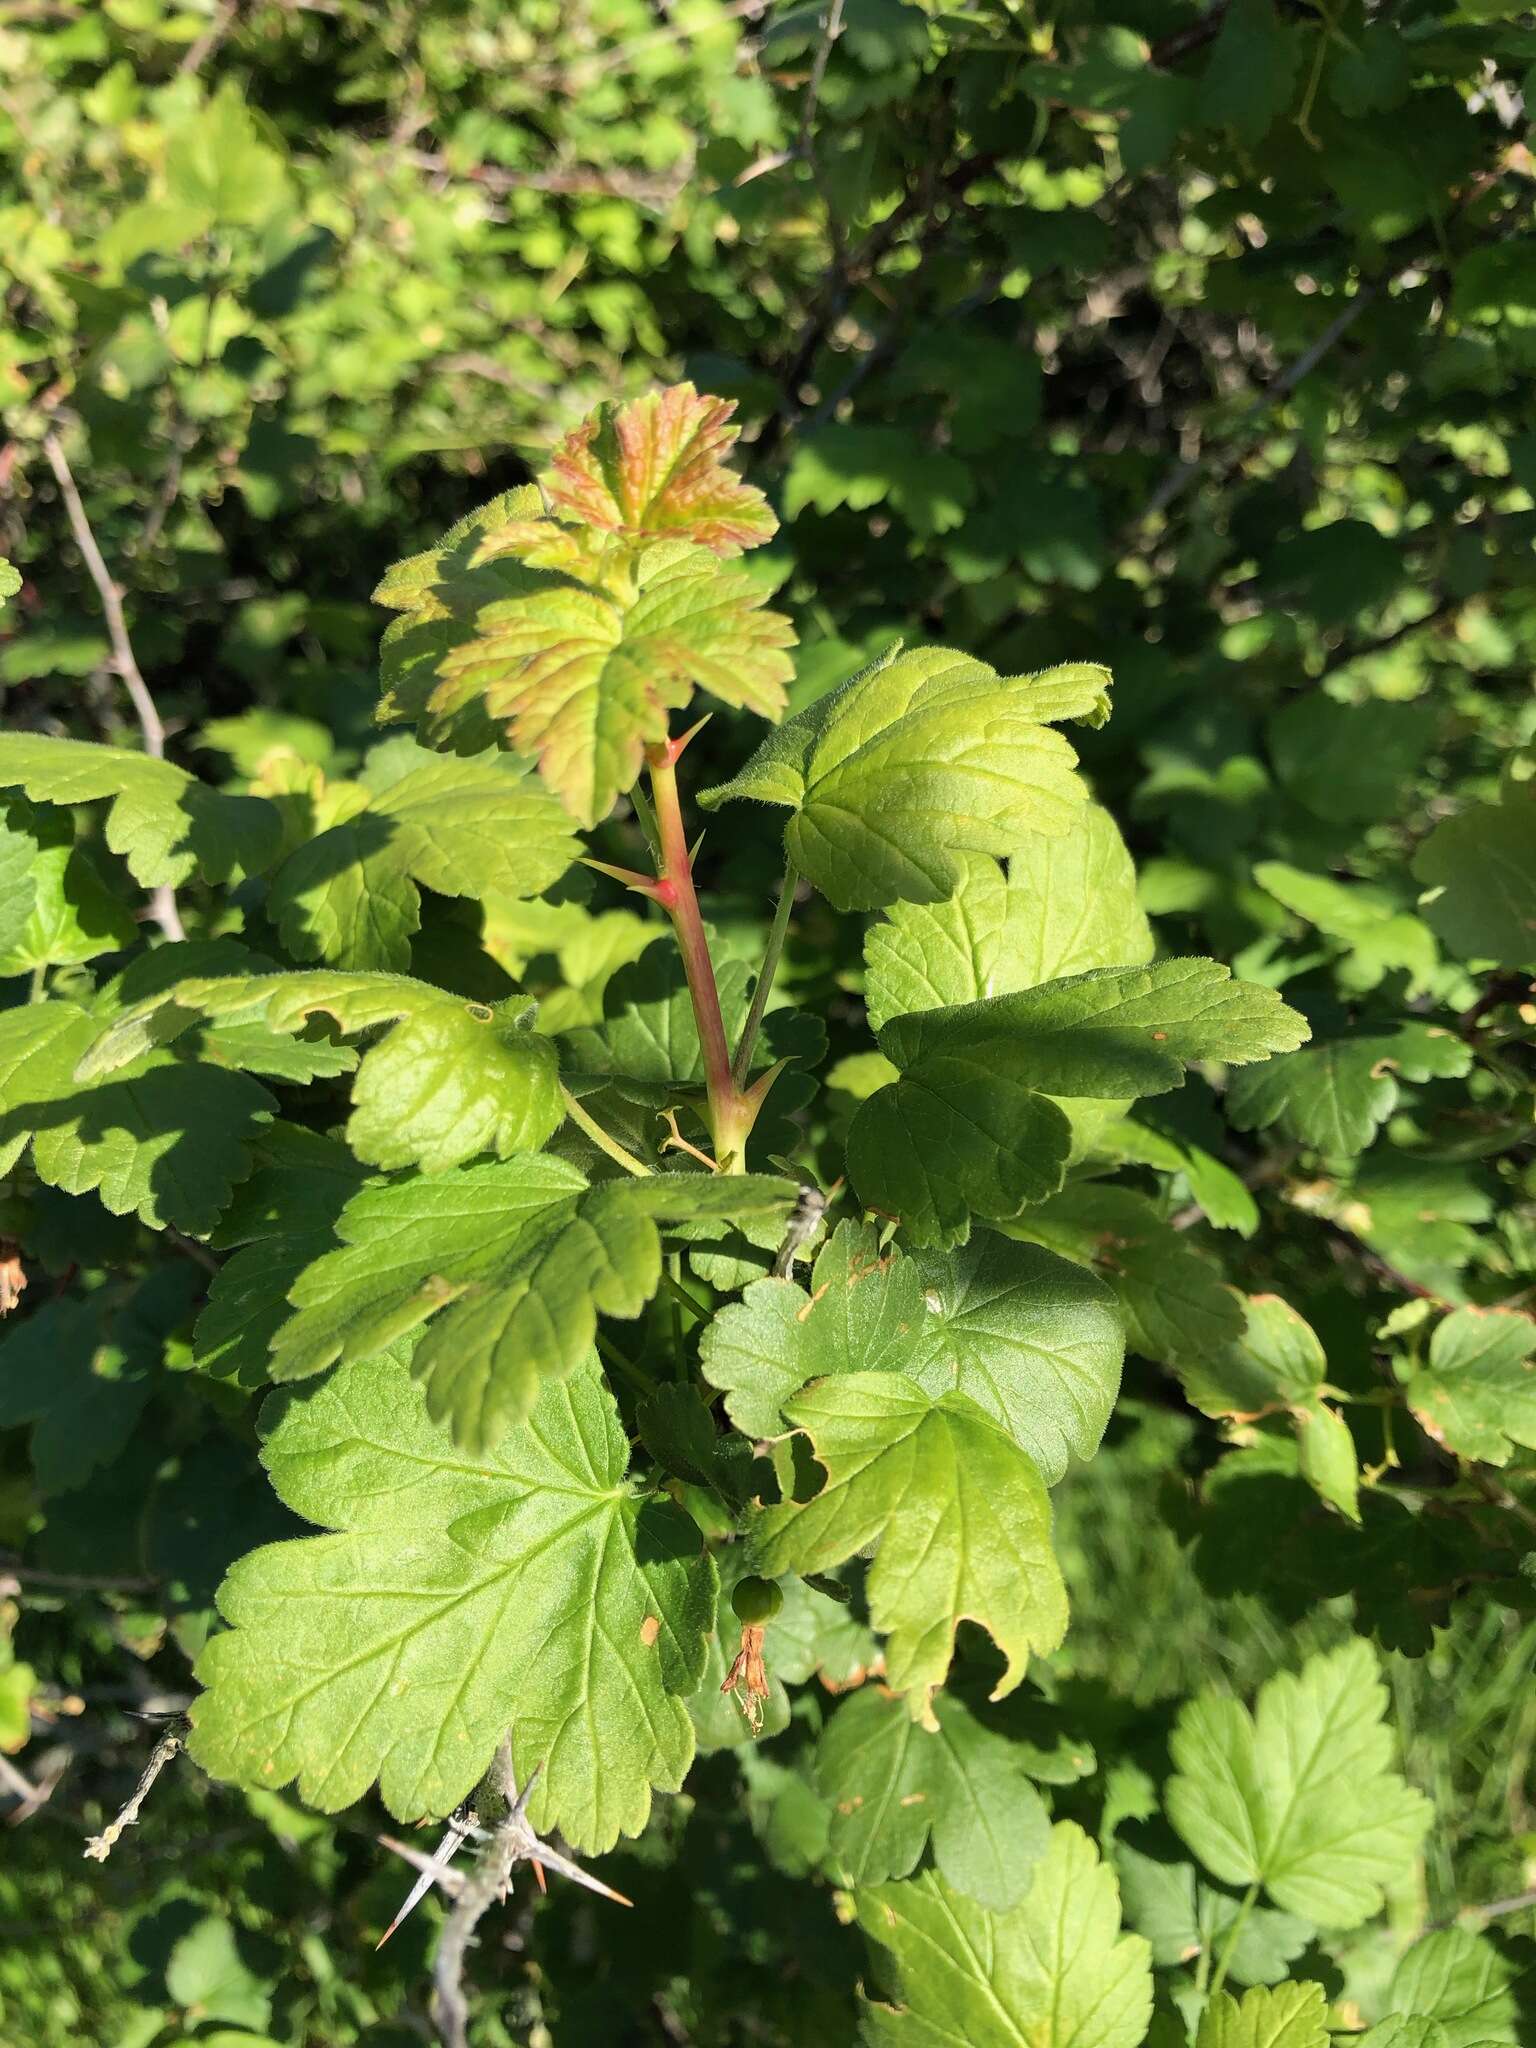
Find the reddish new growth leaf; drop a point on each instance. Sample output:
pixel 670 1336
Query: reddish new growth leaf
pixel 654 470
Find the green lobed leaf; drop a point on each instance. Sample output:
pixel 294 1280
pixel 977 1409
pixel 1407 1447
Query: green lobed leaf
pixel 1171 1296
pixel 1481 866
pixel 453 1078
pixel 1113 1031
pixel 350 896
pixel 503 1333
pixel 164 823
pixel 529 1587
pixel 1068 903
pixel 1300 1796
pixel 407 1249
pixel 1478 1988
pixel 1279 2016
pixel 969 1128
pixel 514 1261
pixel 1154 1137
pixel 281 1221
pixel 864 1312
pixel 921 759
pixel 959 1135
pixel 960 1515
pixel 1032 1339
pixel 1278 1366
pixel 1185 1917
pixel 163 1138
pixel 1335 1095
pixel 1476 1393
pixel 1378 934
pixel 1053 1972
pixel 1400 2030
pixel 56 911
pixel 893 1786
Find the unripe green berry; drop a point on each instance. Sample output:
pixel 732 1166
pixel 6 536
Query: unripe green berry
pixel 756 1601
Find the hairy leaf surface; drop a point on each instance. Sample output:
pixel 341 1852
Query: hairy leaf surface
pixel 451 1079
pixel 462 828
pixel 925 757
pixel 895 1785
pixel 1053 1972
pixel 960 1515
pixel 165 823
pixel 530 1587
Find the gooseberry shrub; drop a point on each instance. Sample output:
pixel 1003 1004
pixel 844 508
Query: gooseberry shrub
pixel 663 1380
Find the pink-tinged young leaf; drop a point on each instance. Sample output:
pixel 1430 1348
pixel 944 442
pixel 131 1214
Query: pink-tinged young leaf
pixel 654 469
pixel 581 681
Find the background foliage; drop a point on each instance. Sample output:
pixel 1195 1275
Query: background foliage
pixel 1196 341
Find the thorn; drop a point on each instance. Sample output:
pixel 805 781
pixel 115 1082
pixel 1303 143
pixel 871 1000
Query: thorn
pixel 693 851
pixel 759 1088
pixel 678 747
pixel 564 1867
pixel 643 885
pixel 520 1805
pixel 538 1871
pixel 434 1869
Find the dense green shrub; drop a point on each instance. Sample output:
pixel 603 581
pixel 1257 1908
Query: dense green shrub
pixel 1188 346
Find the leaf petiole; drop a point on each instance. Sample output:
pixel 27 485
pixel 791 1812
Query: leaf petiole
pixel 602 1139
pixel 741 1066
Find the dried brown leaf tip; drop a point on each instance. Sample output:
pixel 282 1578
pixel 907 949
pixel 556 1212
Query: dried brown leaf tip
pixel 748 1676
pixel 754 1602
pixel 654 469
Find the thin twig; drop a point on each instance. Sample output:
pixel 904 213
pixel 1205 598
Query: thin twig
pixel 831 29
pixel 512 1840
pixel 654 193
pixel 19 1786
pixel 36 1798
pixel 197 53
pixel 111 600
pixel 100 1847
pixel 190 1247
pixel 1184 472
pixel 69 1582
pixel 1494 1910
pixel 163 898
pixel 828 306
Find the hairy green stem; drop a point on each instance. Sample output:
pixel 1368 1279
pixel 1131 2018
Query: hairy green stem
pixel 672 1277
pixel 612 1355
pixel 731 1114
pixel 672 1282
pixel 742 1065
pixel 1234 1935
pixel 601 1138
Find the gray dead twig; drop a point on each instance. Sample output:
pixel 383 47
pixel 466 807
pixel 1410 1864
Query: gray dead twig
pixel 162 899
pixel 510 1841
pixel 100 1847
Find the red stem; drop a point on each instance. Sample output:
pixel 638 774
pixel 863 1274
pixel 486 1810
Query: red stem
pixel 731 1114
